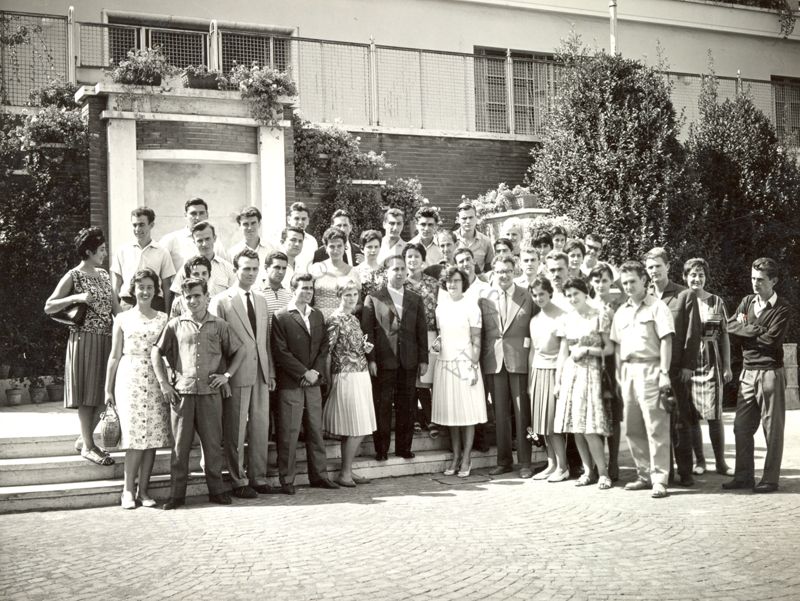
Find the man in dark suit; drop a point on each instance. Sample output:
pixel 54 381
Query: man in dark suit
pixel 505 342
pixel 394 321
pixel 682 303
pixel 352 251
pixel 299 351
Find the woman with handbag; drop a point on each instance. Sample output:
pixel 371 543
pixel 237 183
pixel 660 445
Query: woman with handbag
pixel 84 299
pixel 580 408
pixel 131 387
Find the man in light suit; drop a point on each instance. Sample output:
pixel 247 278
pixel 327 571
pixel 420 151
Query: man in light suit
pixel 300 351
pixel 506 312
pixel 394 321
pixel 247 411
pixel 682 303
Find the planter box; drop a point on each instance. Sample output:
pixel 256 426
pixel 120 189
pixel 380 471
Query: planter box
pixel 200 82
pixel 155 80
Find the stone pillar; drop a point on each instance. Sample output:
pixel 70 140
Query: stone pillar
pixel 272 179
pixel 123 179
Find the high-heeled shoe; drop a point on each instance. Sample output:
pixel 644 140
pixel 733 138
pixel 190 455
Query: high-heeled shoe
pixel 464 473
pixel 544 474
pixel 146 500
pixel 559 476
pixel 127 501
pixel 453 469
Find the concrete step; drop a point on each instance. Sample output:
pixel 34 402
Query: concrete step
pixel 106 492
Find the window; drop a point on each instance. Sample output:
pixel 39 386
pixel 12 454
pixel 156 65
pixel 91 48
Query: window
pixel 787 109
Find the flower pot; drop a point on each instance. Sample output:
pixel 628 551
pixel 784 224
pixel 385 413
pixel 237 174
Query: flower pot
pixel 200 82
pixel 55 393
pixel 38 395
pixel 5 371
pixel 527 201
pixel 131 80
pixel 14 396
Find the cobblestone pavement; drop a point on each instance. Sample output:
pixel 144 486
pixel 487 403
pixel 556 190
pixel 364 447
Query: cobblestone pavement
pixel 423 537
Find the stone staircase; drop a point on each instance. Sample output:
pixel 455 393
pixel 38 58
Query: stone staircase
pixel 45 472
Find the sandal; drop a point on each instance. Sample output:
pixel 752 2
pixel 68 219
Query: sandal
pixel 604 483
pixel 584 480
pixel 417 427
pixel 95 455
pixel 433 432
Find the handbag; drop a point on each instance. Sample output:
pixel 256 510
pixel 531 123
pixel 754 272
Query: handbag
pixel 110 431
pixel 608 387
pixel 71 315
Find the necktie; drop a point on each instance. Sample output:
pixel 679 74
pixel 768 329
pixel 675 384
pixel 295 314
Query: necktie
pixel 251 312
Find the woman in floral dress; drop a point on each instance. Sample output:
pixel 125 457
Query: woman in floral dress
pixel 584 334
pixel 90 342
pixel 131 385
pixel 349 411
pixel 327 272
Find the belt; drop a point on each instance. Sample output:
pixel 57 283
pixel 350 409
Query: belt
pixel 641 360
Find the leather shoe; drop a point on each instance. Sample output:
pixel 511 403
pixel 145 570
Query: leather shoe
pixel 324 484
pixel 687 480
pixel 525 472
pixel 223 498
pixel 405 454
pixel 737 485
pixel 245 492
pixel 381 457
pixel 482 448
pixel 264 489
pixel 174 503
pixel 500 469
pixel 287 489
pixel 765 487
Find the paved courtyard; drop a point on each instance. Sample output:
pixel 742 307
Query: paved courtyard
pixel 424 537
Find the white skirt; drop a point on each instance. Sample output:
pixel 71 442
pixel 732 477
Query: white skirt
pixel 349 410
pixel 455 401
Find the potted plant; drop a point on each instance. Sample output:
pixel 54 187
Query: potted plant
pixel 37 390
pixel 145 67
pixel 262 89
pixel 14 393
pixel 55 390
pixel 200 78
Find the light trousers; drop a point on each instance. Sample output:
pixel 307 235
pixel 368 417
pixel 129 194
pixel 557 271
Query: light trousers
pixel 246 415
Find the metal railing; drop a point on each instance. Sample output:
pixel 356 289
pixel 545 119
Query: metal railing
pixel 357 84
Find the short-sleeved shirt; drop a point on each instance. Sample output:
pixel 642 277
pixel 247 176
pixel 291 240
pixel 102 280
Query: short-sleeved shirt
pixel 433 254
pixel 638 329
pixel 481 248
pixel 387 251
pixel 195 351
pixel 131 258
pixel 263 250
pixel 181 247
pixel 223 276
pixel 277 300
pixel 306 257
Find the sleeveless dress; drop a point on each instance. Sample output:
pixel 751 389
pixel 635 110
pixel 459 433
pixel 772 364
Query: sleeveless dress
pixel 579 407
pixel 325 287
pixel 349 410
pixel 707 381
pixel 89 344
pixel 144 414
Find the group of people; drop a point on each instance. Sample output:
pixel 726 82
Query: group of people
pixel 444 330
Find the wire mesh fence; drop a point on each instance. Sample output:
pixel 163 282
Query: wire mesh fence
pixel 360 84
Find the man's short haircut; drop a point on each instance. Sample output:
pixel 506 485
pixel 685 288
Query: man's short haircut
pixel 387 261
pixel 600 269
pixel 193 202
pixel 189 283
pixel 393 212
pixel 414 246
pixel 427 212
pixel 594 238
pixel 466 206
pixel 248 213
pixel 461 250
pixel 368 236
pixel 577 284
pixel 275 255
pixel 447 275
pixel 341 213
pixel 333 233
pixel 768 266
pixel 298 207
pixel 636 267
pixel 144 212
pixel 505 242
pixel 541 237
pixel 202 225
pixel 659 252
pixel 574 244
pixel 558 231
pixel 344 284
pixel 246 253
pixel 542 283
pixel 297 230
pixel 696 262
pixel 557 255
pixel 141 275
pixel 526 246
pixel 507 259
pixel 299 277
pixel 448 233
pixel 192 262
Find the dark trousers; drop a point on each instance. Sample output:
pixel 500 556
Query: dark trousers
pixel 761 400
pixel 510 399
pixel 681 421
pixel 296 407
pixel 425 408
pixel 202 412
pixel 395 387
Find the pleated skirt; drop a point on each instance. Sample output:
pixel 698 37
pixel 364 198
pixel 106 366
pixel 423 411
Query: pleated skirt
pixel 455 401
pixel 543 401
pixel 349 410
pixel 85 369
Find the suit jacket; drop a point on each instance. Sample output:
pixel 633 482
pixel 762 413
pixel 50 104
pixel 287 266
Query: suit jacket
pixel 321 254
pixel 398 342
pixel 682 303
pixel 294 349
pixel 228 305
pixel 505 345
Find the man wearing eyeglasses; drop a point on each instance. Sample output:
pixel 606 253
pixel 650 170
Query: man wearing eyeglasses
pixel 594 249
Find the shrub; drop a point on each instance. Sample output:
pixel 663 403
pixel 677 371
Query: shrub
pixel 261 88
pixel 144 67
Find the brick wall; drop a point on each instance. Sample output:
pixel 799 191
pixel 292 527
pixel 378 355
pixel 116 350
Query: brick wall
pixel 98 162
pixel 176 135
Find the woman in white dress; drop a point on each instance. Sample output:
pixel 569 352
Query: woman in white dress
pixel 131 385
pixel 458 395
pixel 349 411
pixel 327 272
